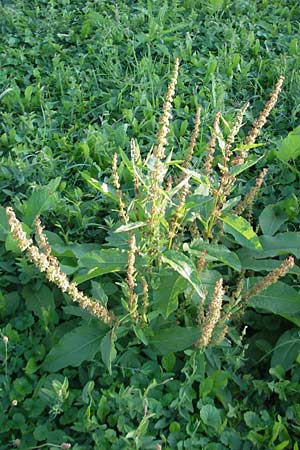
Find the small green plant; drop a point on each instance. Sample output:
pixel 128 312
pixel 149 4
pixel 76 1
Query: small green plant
pixel 180 230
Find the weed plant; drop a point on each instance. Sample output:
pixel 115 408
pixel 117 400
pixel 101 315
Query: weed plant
pixel 174 219
pixel 79 80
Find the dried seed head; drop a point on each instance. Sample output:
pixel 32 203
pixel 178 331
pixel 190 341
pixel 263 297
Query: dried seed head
pixel 115 174
pixel 220 338
pixel 145 300
pixel 269 279
pixel 248 200
pixel 131 276
pixel 260 122
pixel 201 261
pixel 212 146
pixel 50 265
pixel 212 317
pixel 42 238
pixel 179 211
pixel 5 340
pixel 17 231
pixel 159 150
pixel 116 182
pixel 190 152
pixel 234 131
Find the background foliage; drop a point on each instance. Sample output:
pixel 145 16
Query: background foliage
pixel 78 80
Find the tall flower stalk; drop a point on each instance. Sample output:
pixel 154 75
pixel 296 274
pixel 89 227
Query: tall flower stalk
pixel 158 170
pixel 48 264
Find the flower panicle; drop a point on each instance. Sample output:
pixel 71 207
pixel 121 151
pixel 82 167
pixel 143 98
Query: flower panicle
pixel 261 120
pixel 212 316
pixel 259 123
pixel 131 277
pixel 179 211
pixel 195 134
pixel 48 264
pixel 221 335
pixel 238 123
pixel 201 261
pixel 116 183
pixel 42 238
pixel 211 146
pixel 269 279
pixel 159 149
pixel 248 200
pixel 145 298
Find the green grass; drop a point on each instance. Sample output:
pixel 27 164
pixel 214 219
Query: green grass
pixel 79 80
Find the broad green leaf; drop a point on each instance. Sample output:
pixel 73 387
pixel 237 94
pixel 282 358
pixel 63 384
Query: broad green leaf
pixel 287 349
pixel 168 362
pixel 214 252
pixel 208 280
pixel 230 204
pixel 104 188
pixel 242 231
pixel 81 344
pixel 40 300
pixel 173 339
pixel 281 244
pixel 291 206
pixel 236 170
pixel 109 260
pixel 199 206
pixel 185 267
pixel 101 262
pixel 4 227
pixel 211 416
pixel 250 262
pixel 42 199
pixel 165 297
pixel 253 420
pixel 108 351
pixel 9 302
pixel 289 147
pixel 271 219
pixel 77 311
pixel 280 298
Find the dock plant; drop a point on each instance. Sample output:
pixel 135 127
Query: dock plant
pixel 175 247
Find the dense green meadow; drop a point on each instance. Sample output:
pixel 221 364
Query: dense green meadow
pixel 160 307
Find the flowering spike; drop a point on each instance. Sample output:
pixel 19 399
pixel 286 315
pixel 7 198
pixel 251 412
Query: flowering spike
pixel 50 265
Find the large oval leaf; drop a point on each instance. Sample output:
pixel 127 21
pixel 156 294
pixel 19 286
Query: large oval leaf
pixel 185 267
pixel 174 339
pixel 280 298
pixel 39 301
pixel 214 252
pixel 248 261
pixel 165 297
pixel 287 349
pixel 290 146
pixel 281 244
pixel 43 198
pixel 81 344
pixel 242 231
pixel 271 219
pixel 101 262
